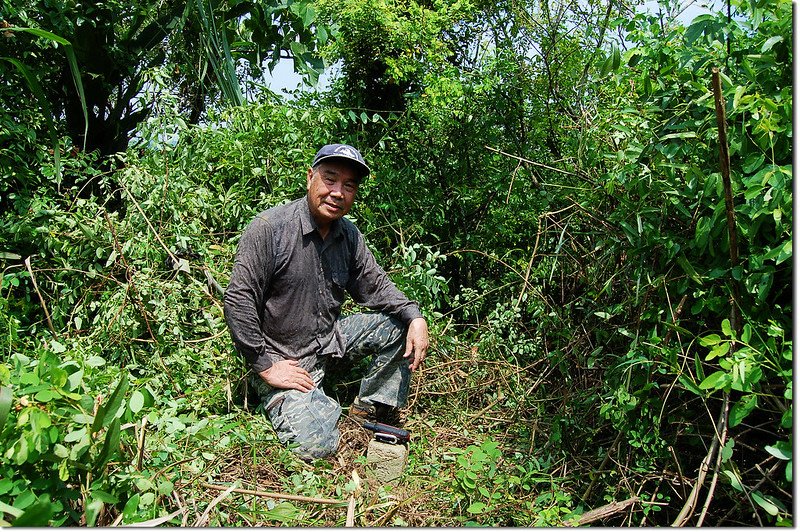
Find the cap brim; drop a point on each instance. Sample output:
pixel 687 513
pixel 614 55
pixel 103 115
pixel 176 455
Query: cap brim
pixel 362 169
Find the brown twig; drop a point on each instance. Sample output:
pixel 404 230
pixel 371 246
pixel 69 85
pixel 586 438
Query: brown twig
pixel 725 168
pixel 131 284
pixel 41 299
pixel 602 466
pixel 534 163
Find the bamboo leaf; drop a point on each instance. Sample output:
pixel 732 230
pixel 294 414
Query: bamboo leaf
pixel 73 67
pixel 108 410
pixel 36 89
pixel 110 446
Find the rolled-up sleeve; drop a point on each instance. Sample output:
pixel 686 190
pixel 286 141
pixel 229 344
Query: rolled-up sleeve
pixel 245 295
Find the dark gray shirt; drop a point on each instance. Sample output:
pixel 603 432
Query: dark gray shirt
pixel 288 285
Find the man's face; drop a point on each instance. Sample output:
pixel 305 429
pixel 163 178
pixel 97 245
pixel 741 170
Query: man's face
pixel 332 187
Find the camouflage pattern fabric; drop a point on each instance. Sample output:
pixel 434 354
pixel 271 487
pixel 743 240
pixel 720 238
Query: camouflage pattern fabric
pixel 310 419
pixel 384 339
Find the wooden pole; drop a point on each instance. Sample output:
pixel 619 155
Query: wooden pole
pixel 725 168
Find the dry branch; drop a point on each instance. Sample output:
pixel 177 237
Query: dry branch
pixel 286 496
pixel 204 518
pixel 604 511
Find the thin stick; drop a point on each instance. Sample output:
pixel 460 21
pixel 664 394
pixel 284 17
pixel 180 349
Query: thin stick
pixel 517 157
pixel 204 518
pixel 723 437
pixel 602 466
pixel 691 502
pixel 272 495
pixel 140 454
pixel 155 233
pixel 41 299
pixel 725 168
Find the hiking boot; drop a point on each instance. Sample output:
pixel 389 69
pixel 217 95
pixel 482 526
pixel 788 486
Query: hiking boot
pixel 363 412
pixel 388 415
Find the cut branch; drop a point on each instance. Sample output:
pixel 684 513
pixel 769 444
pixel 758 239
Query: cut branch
pixel 286 496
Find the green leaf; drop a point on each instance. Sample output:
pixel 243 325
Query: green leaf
pixel 735 482
pixel 697 28
pixel 6 397
pixel 108 410
pixel 781 450
pixel 46 395
pixel 41 33
pixel 716 381
pixel 688 269
pixel 709 340
pixel 616 58
pixel 93 511
pixel 110 446
pixel 129 511
pixel 476 507
pixel 719 350
pixel 727 452
pixel 57 347
pixel 104 496
pixel 7 508
pixel 769 43
pixel 768 506
pixel 681 135
pixel 136 401
pixel 741 409
pixel 689 385
pixel 38 514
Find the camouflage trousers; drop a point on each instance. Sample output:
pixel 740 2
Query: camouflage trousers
pixel 309 419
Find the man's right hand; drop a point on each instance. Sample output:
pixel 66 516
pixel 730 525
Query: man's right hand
pixel 287 375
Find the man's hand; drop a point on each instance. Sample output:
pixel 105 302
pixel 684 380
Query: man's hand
pixel 416 342
pixel 287 375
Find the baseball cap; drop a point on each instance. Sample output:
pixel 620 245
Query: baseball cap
pixel 345 152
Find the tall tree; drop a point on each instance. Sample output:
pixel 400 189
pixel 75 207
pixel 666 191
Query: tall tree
pixel 117 42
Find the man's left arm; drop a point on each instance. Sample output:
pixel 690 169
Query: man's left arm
pixel 370 286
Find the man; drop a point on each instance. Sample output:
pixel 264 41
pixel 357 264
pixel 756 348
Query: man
pixel 293 266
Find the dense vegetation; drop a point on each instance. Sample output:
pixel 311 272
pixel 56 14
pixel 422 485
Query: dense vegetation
pixel 610 307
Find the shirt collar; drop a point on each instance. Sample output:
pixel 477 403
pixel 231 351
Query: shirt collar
pixel 309 225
